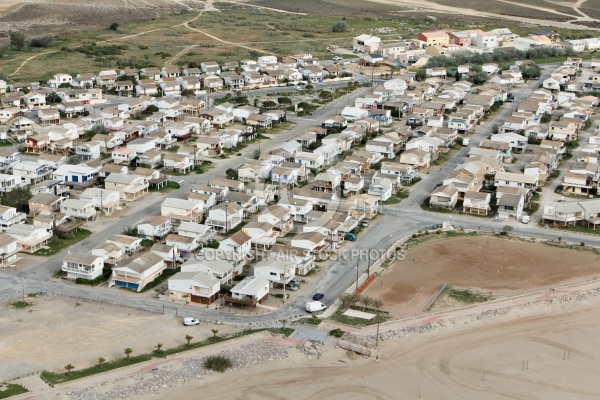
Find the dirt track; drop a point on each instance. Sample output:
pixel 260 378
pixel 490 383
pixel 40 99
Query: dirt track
pixel 63 330
pixel 478 363
pixel 504 267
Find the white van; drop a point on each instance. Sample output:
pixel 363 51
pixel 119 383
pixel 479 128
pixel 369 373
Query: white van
pixel 315 306
pixel 525 219
pixel 190 321
pixel 465 142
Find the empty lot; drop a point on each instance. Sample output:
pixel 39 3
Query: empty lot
pixel 501 266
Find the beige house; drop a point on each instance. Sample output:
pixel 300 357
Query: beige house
pixel 44 202
pixel 477 202
pixel 137 271
pixel 416 157
pixel 444 197
pixel 131 187
pixel 29 238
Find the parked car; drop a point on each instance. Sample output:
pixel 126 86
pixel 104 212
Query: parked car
pixel 295 281
pixel 350 236
pixel 190 321
pixel 525 219
pixel 302 83
pixel 336 58
pixel 291 286
pixel 291 84
pixel 315 306
pixel 364 223
pixel 256 87
pixel 318 296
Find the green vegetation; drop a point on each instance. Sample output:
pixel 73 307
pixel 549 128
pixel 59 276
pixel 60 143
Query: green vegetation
pixel 338 333
pixel 106 272
pixel 166 188
pixel 11 389
pixel 56 243
pixel 166 274
pixel 467 296
pixel 338 316
pixel 218 363
pixel 18 198
pixel 52 378
pixel 20 304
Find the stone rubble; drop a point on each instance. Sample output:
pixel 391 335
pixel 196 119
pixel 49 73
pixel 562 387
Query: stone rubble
pixel 154 381
pixel 314 349
pixel 489 314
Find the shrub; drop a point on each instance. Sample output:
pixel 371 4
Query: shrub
pixel 41 41
pixel 217 363
pixel 340 26
pixel 114 26
pixel 338 333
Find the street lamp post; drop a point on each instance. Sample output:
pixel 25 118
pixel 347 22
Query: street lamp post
pixel 357 263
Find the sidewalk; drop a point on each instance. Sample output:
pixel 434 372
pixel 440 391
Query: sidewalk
pixel 39 389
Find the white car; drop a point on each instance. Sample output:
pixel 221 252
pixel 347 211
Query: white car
pixel 190 321
pixel 525 219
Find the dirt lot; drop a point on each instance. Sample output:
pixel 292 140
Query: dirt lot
pixel 501 266
pixel 56 331
pixel 483 362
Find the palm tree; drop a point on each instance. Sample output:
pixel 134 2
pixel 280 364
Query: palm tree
pixel 101 361
pixel 284 321
pixel 214 331
pixel 188 338
pixel 158 346
pixel 69 367
pixel 127 352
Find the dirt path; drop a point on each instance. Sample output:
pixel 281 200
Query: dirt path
pixel 266 8
pixel 186 24
pixel 546 9
pixel 29 59
pixel 486 361
pixel 170 62
pixel 577 7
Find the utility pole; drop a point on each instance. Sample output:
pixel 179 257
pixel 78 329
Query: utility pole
pixel 357 264
pixel 226 217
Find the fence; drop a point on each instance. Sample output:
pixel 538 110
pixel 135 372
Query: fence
pixel 359 348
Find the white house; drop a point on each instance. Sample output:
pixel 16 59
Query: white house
pixel 198 287
pixel 250 291
pixel 131 187
pixel 201 233
pixel 75 174
pixel 236 248
pixel 276 271
pixel 82 265
pixel 78 209
pixel 29 238
pixel 154 227
pixel 8 248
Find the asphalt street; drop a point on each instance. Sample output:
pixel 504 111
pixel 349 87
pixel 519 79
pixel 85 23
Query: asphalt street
pixel 398 221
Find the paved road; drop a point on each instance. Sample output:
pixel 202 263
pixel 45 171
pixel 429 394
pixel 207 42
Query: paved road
pixel 40 277
pixel 342 273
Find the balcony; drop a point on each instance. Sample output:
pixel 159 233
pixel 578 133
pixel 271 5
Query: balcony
pixel 237 300
pixel 79 270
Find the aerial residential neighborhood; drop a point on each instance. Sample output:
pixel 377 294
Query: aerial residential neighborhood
pixel 279 189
